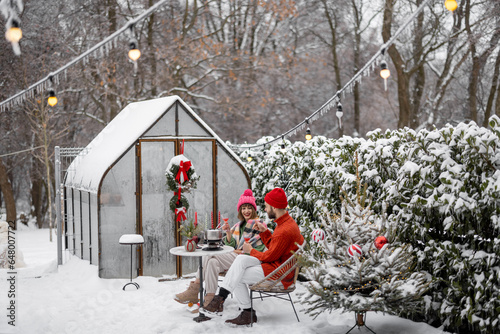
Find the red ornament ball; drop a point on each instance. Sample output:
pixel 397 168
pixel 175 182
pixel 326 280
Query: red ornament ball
pixel 318 235
pixel 354 250
pixel 380 241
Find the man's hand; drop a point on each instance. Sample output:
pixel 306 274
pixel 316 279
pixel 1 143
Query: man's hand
pixel 247 248
pixel 261 227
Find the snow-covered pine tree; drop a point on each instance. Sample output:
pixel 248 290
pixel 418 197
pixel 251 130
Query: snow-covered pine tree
pixel 373 280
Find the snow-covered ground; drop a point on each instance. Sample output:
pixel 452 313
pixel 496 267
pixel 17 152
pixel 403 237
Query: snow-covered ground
pixel 72 299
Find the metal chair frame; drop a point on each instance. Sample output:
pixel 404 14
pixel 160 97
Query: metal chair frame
pixel 269 286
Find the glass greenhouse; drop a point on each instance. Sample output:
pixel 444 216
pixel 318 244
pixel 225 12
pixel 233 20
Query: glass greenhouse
pixel 117 186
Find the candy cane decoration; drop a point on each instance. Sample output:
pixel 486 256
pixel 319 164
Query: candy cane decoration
pixel 354 250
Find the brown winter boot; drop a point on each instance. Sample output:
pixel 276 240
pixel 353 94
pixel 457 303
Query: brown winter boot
pixel 215 307
pixel 244 319
pixel 190 295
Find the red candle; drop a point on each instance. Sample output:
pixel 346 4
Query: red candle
pixel 195 219
pixel 218 222
pixel 212 219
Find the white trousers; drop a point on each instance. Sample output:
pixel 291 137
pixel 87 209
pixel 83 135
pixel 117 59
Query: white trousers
pixel 245 270
pixel 212 266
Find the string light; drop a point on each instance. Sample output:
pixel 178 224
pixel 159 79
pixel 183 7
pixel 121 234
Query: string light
pixel 363 71
pixel 134 53
pixel 14 33
pixel 384 70
pixel 19 97
pixel 451 5
pixel 308 134
pixel 339 113
pixel 52 100
pixel 308 131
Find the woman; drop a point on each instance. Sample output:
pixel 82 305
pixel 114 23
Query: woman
pixel 214 265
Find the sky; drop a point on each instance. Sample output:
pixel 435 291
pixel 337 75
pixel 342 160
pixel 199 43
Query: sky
pixel 71 298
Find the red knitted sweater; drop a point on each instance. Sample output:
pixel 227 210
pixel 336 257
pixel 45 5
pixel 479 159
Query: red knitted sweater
pixel 280 245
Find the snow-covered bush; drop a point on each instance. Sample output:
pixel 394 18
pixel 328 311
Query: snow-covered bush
pixel 442 187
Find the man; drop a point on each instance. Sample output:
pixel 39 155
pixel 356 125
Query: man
pixel 247 269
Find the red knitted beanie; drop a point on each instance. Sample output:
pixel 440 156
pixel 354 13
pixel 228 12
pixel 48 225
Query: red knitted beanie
pixel 276 198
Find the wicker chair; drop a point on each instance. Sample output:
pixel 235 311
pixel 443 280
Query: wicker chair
pixel 270 287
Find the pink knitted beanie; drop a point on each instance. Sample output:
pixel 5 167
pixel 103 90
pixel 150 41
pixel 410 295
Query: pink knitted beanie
pixel 247 198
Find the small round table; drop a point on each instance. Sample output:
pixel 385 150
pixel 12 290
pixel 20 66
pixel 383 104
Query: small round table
pixel 181 251
pixel 131 239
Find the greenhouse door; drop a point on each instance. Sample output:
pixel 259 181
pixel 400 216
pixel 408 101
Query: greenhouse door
pixel 157 223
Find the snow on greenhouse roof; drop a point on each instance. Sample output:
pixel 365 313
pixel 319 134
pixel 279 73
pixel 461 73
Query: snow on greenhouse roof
pixel 87 170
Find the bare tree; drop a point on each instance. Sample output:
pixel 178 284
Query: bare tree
pixel 403 79
pixel 479 58
pixel 494 90
pixel 8 195
pixel 330 13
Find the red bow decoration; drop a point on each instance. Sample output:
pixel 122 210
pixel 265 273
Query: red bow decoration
pixel 182 173
pixel 180 213
pixel 178 193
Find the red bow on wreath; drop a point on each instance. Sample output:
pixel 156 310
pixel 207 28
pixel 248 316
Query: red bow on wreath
pixel 178 193
pixel 182 173
pixel 179 212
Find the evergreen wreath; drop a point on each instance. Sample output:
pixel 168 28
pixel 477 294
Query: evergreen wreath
pixel 183 203
pixel 189 177
pixel 172 183
pixel 172 172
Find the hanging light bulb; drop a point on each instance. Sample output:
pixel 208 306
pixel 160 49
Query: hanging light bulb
pixel 249 158
pixel 14 33
pixel 384 72
pixel 308 134
pixel 451 5
pixel 52 100
pixel 134 53
pixel 339 113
